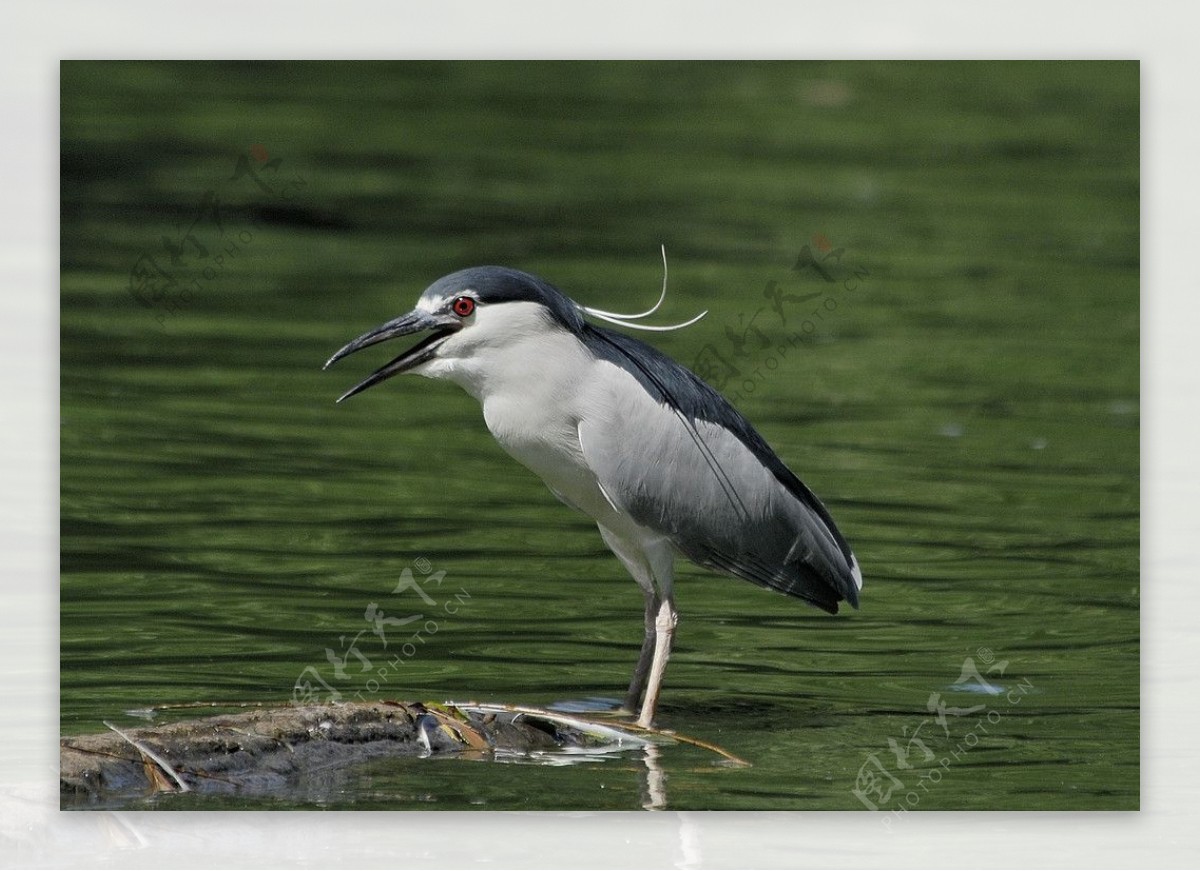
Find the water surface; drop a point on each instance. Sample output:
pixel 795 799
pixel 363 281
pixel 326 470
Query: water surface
pixel 963 395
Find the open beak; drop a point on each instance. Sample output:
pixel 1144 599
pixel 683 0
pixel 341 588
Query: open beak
pixel 413 322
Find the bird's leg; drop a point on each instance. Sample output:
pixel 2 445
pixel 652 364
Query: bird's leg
pixel 664 629
pixel 642 671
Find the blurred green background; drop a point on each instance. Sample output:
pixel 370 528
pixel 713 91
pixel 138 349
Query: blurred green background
pixel 968 410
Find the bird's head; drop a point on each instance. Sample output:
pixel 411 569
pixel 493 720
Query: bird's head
pixel 466 317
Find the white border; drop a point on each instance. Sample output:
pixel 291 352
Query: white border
pixel 37 35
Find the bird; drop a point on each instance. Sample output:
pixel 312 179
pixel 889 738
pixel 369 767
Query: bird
pixel 658 459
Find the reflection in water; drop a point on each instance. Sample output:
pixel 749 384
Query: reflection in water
pixel 654 780
pixel 652 774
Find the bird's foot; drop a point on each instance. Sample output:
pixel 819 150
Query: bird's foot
pixel 595 705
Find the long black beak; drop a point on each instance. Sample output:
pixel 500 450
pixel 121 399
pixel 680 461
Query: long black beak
pixel 413 322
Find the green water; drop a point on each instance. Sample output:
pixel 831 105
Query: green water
pixel 969 411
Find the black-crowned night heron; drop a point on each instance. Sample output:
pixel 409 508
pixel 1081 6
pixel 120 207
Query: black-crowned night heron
pixel 619 431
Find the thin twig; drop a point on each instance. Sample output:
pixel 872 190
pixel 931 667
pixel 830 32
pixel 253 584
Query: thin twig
pixel 695 742
pixel 150 754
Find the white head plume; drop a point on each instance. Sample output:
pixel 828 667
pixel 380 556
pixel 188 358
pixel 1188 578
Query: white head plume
pixel 624 320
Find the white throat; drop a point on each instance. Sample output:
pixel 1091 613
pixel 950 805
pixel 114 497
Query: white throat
pixel 509 350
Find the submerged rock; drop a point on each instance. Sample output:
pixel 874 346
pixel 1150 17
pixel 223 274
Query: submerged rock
pixel 259 751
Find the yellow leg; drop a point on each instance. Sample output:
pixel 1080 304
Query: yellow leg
pixel 664 630
pixel 638 685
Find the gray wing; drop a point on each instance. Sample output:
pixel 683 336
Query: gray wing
pixel 680 460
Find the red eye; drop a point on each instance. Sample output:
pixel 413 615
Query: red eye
pixel 463 306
